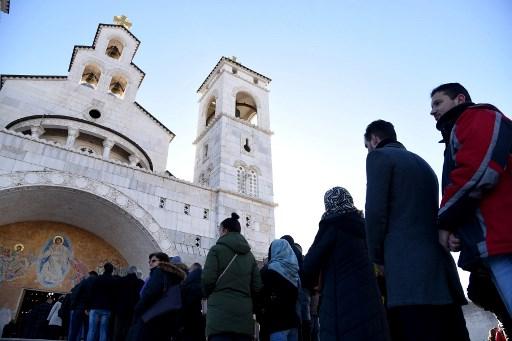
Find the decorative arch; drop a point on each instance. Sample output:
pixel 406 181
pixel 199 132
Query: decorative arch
pixel 68 198
pixel 115 48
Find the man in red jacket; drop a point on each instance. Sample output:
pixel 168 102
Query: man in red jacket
pixel 476 208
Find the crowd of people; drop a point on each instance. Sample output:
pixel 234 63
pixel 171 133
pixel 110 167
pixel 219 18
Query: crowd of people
pixel 385 274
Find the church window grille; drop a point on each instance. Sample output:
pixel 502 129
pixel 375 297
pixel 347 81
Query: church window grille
pixel 198 241
pixel 241 177
pixel 252 182
pixel 186 209
pixel 206 214
pixel 162 202
pixel 248 221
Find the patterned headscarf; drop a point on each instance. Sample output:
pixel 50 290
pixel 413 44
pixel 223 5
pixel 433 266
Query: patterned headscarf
pixel 338 200
pixel 284 261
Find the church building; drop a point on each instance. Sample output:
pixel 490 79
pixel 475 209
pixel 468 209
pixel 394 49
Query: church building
pixel 83 176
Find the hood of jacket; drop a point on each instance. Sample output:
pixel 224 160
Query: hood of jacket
pixel 236 242
pixel 171 268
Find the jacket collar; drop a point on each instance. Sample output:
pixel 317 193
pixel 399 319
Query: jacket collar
pixel 447 121
pixel 389 142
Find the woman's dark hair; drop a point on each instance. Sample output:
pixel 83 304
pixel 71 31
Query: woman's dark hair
pixel 161 256
pixel 231 224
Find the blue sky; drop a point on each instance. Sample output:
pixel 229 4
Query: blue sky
pixel 336 66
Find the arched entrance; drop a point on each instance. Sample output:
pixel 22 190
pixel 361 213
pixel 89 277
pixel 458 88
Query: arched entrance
pixel 91 205
pixel 96 207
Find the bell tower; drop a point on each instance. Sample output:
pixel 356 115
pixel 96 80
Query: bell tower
pixel 233 144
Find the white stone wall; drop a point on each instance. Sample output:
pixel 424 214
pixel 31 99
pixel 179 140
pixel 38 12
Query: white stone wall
pixel 20 154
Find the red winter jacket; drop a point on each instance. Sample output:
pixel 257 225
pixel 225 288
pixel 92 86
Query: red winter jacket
pixel 477 180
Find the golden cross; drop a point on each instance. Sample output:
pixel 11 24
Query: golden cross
pixel 123 21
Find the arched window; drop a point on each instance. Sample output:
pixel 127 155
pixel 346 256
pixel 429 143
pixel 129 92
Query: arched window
pixel 240 179
pixel 114 49
pixel 118 86
pixel 252 183
pixel 91 76
pixel 245 108
pixel 210 111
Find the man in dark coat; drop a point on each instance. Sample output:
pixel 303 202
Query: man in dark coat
pixel 127 295
pixel 100 303
pixel 423 289
pixel 193 319
pixel 351 307
pixel 78 322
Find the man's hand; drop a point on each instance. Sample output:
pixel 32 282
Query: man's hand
pixel 453 243
pixel 443 239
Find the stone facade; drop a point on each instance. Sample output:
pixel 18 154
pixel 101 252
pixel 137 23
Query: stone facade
pixel 79 150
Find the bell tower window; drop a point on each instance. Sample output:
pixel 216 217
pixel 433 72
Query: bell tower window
pixel 210 111
pixel 245 108
pixel 118 86
pixel 114 49
pixel 91 76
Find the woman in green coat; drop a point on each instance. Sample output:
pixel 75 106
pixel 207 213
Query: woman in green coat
pixel 230 280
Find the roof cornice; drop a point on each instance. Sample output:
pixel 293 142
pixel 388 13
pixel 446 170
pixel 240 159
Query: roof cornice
pixel 3 78
pixel 234 63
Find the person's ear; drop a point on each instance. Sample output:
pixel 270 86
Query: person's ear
pixel 460 99
pixel 374 140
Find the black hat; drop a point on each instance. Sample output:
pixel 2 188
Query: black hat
pixel 231 224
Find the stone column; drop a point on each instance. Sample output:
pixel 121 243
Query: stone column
pixel 37 131
pixel 72 135
pixel 107 147
pixel 134 160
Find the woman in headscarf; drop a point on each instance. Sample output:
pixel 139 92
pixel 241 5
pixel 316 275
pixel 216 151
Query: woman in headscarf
pixel 280 278
pixel 350 303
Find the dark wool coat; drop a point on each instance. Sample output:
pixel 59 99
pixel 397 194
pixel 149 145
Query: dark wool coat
pixel 230 300
pixel 401 224
pixel 279 298
pixel 101 293
pixel 351 306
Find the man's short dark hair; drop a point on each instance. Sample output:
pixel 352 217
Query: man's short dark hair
pixel 381 129
pixel 452 90
pixel 108 267
pixel 161 256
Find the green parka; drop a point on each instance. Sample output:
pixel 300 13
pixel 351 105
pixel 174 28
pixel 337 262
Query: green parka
pixel 230 306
